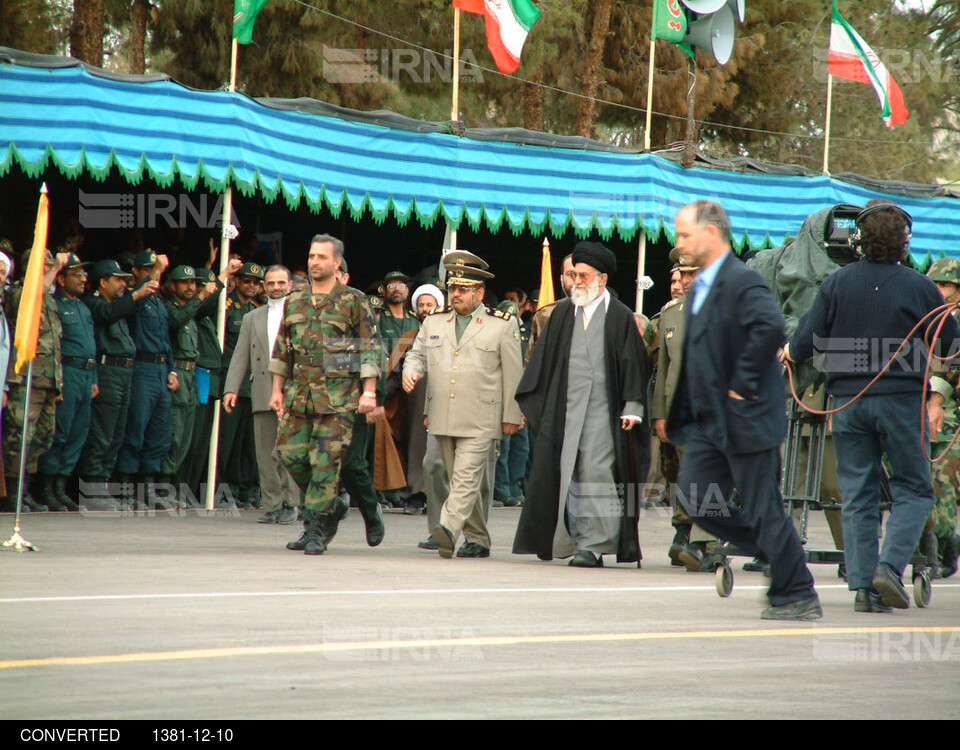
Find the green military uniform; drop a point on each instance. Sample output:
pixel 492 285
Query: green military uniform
pixel 209 360
pixel 115 358
pixel 946 471
pixel 184 343
pixel 325 347
pixel 46 386
pixel 78 352
pixel 238 456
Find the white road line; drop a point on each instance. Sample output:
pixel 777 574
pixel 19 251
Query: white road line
pixel 402 592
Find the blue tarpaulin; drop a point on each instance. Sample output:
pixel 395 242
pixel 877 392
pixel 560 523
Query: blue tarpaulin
pixel 81 121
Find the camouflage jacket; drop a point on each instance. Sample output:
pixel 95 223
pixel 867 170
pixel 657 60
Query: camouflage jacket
pixel 47 367
pixel 326 346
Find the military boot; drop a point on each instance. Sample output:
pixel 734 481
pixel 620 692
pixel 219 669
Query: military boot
pixel 681 538
pixel 949 551
pixel 45 493
pixel 298 544
pixel 928 547
pixel 60 490
pixel 314 544
pixel 29 503
pixel 330 521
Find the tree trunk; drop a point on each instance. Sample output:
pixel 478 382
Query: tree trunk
pixel 599 13
pixel 533 101
pixel 86 33
pixel 138 36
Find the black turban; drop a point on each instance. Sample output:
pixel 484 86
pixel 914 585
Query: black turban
pixel 596 255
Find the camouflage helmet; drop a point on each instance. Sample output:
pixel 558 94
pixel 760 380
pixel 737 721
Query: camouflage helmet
pixel 945 270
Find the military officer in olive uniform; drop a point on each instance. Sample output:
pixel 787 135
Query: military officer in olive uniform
pixel 238 455
pixel 326 365
pixel 112 306
pixel 690 542
pixel 149 429
pixel 471 355
pixel 78 352
pixel 46 387
pixel 187 303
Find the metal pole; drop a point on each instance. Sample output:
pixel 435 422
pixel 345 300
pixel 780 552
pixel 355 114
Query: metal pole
pixel 826 140
pixel 16 541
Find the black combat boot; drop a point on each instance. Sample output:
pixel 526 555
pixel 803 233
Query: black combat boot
pixel 60 490
pixel 298 544
pixel 330 521
pixel 314 544
pixel 45 493
pixel 29 503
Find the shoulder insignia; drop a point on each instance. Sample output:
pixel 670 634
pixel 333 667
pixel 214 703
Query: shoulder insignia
pixel 499 313
pixel 441 311
pixel 672 303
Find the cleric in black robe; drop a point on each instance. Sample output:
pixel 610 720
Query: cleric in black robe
pixel 544 399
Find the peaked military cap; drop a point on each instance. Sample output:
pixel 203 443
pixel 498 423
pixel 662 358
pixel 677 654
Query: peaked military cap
pixel 145 259
pixel 74 262
pixel 103 268
pixel 465 268
pixel 205 275
pixel 183 273
pixel 251 269
pixel 48 259
pixel 681 262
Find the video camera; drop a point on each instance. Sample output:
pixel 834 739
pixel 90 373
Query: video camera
pixel 841 223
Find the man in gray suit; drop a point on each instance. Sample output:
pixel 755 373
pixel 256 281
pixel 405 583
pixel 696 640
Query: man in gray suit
pixel 472 357
pixel 258 332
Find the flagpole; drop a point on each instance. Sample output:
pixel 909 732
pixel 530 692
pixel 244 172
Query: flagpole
pixel 221 305
pixel 16 541
pixel 646 130
pixel 826 141
pixel 455 103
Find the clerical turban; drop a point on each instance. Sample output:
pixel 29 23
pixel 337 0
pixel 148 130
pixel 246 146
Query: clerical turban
pixel 596 255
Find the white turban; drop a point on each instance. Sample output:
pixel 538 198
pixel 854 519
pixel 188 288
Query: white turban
pixel 430 289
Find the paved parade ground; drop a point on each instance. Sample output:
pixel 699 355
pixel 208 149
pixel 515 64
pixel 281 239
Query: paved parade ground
pixel 211 618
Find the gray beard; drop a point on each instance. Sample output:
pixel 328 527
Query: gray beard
pixel 583 297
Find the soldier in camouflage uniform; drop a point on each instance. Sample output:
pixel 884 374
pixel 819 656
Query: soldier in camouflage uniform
pixel 46 387
pixel 946 472
pixel 238 454
pixel 326 350
pixel 186 305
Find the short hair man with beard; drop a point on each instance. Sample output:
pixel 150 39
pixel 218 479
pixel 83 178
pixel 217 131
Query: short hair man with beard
pixel 581 394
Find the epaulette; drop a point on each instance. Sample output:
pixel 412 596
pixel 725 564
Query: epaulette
pixel 671 303
pixel 499 313
pixel 441 310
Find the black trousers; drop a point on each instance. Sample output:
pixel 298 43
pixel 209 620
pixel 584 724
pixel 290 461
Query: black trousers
pixel 759 527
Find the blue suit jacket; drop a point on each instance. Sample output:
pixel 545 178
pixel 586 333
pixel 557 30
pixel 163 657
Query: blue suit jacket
pixel 731 344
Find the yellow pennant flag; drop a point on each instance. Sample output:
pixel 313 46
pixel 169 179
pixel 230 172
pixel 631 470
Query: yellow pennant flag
pixel 546 278
pixel 31 301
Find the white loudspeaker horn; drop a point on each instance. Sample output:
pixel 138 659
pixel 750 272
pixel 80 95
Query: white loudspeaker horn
pixel 715 34
pixel 738 7
pixel 704 6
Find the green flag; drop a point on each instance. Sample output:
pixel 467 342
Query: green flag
pixel 670 23
pixel 244 14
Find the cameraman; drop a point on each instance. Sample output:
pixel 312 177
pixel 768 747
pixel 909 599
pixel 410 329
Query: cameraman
pixel 876 303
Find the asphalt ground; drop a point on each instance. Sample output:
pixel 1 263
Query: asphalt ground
pixel 210 618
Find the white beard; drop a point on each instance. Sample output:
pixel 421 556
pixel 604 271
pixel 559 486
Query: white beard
pixel 581 297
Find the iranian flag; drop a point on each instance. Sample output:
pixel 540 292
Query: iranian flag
pixel 508 23
pixel 852 58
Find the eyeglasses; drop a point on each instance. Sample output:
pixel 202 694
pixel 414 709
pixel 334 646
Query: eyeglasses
pixel 396 285
pixel 459 288
pixel 581 276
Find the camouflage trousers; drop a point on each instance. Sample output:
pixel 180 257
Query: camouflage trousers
pixel 946 479
pixel 43 426
pixel 312 449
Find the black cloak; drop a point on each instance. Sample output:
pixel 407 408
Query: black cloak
pixel 542 396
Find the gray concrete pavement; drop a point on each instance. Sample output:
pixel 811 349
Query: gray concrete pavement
pixel 211 618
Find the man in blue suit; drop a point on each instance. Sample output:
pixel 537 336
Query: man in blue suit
pixel 729 411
